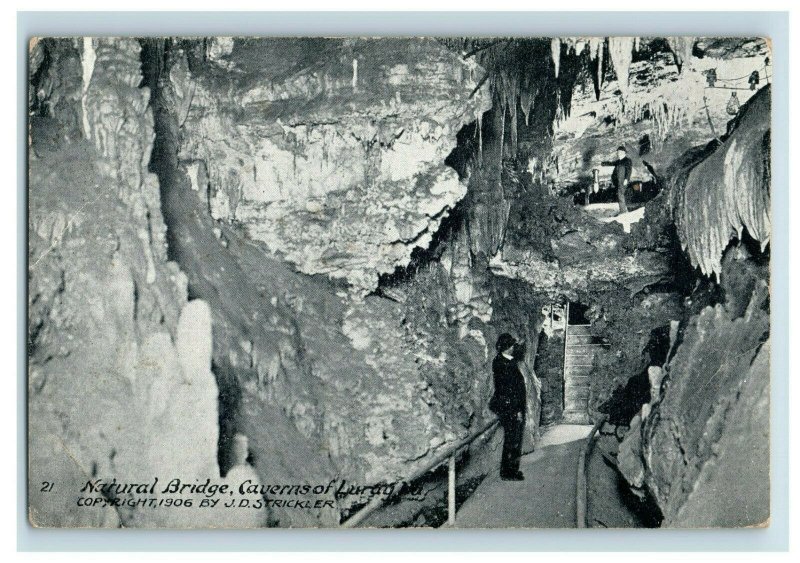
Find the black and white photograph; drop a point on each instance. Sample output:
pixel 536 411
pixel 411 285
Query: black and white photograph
pixel 399 281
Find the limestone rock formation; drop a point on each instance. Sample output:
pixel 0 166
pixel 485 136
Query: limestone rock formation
pixel 338 165
pixel 581 255
pixel 311 245
pixel 324 383
pixel 119 363
pixel 709 432
pixel 707 428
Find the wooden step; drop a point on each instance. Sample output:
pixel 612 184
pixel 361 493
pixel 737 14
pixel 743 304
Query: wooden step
pixel 582 344
pixel 575 417
pixel 576 405
pixel 582 370
pixel 580 353
pixel 577 379
pixel 580 339
pixel 579 329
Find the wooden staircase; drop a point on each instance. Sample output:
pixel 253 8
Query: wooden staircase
pixel 579 354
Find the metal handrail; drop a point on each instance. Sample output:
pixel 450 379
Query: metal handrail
pixel 582 486
pixel 449 455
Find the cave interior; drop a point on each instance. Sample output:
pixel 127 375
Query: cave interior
pixel 347 225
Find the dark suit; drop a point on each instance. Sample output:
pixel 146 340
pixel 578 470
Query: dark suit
pixel 619 178
pixel 509 403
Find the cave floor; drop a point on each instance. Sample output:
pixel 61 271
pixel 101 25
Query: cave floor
pixel 545 499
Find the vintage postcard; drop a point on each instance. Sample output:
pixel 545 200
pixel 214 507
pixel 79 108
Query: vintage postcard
pixel 509 282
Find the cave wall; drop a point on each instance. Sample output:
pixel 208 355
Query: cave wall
pixel 701 447
pixel 119 373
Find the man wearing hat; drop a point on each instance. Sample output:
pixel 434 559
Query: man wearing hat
pixel 621 175
pixel 509 403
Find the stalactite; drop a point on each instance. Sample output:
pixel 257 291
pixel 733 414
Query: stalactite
pixel 682 51
pixel 668 106
pixel 600 63
pixel 555 53
pixel 596 56
pixel 513 109
pixel 88 58
pixel 620 49
pixel 526 100
pixel 728 191
pixel 480 138
pixel 502 145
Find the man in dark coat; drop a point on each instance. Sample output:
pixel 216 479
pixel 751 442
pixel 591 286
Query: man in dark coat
pixel 621 175
pixel 509 403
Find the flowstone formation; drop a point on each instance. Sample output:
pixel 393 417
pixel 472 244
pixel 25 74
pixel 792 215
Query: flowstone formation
pixel 728 192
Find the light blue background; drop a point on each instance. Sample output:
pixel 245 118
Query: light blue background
pixel 765 24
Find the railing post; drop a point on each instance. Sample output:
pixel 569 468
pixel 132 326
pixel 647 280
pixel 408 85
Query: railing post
pixel 449 455
pixel 451 491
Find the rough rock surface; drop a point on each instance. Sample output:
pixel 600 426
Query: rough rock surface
pixel 701 449
pixel 119 362
pixel 560 251
pixel 336 162
pixel 321 383
pixel 705 445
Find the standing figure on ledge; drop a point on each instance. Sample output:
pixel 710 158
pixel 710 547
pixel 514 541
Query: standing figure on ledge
pixel 621 175
pixel 509 403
